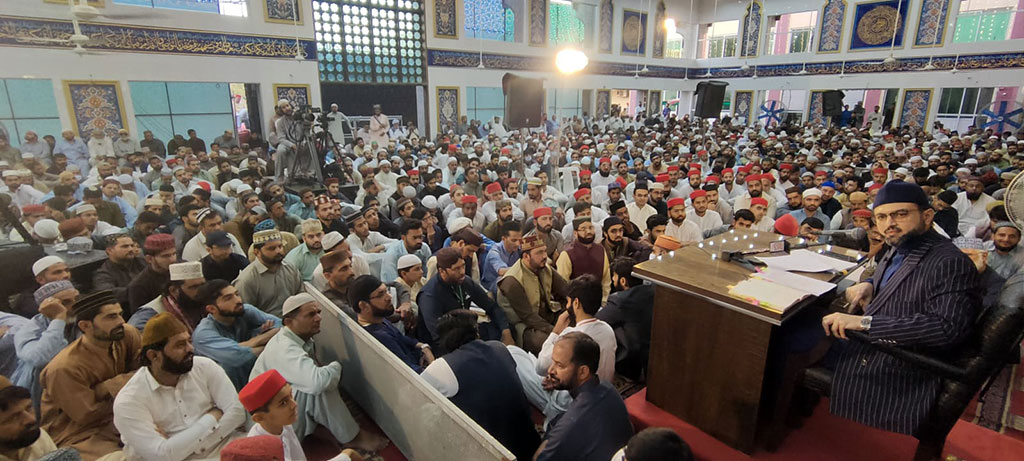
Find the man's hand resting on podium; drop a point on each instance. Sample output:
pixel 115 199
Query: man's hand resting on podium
pixel 859 296
pixel 836 324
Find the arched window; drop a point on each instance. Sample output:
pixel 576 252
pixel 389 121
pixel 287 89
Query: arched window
pixel 490 19
pixel 564 27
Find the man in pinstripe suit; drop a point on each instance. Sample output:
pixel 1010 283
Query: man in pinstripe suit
pixel 924 295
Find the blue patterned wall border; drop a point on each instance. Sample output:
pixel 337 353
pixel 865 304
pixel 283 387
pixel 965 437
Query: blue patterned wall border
pixel 450 58
pixel 916 102
pixel 109 37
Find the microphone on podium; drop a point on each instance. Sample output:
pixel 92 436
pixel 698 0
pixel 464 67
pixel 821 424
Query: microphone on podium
pixel 856 233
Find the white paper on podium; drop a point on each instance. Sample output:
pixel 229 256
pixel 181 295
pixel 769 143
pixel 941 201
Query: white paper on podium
pixel 796 281
pixel 806 261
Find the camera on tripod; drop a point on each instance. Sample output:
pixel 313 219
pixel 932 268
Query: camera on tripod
pixel 311 115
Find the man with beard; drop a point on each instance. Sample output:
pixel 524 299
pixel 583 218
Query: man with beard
pixel 178 298
pixel 411 242
pixel 177 406
pixel 325 213
pixel 160 254
pixel 596 424
pixel 122 265
pixel 629 311
pixel 544 223
pixel 534 196
pixel 1006 256
pixel 269 280
pixel 829 205
pixel 315 386
pixel 972 206
pixel 305 257
pixel 584 257
pixel 794 201
pixel 811 206
pixel 468 210
pixel 337 270
pixel 754 191
pixel 431 188
pixel 707 220
pixel 21 439
pixel 530 294
pixel 618 209
pixel 693 183
pixel 209 222
pixel 233 334
pixel 503 215
pixel 617 244
pixel 372 302
pixel 81 382
pixel 221 262
pixel 679 226
pixel 925 294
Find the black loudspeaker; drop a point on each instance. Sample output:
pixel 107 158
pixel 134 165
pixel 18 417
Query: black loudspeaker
pixel 710 95
pixel 524 101
pixel 832 103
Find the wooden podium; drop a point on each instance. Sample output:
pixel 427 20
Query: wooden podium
pixel 709 350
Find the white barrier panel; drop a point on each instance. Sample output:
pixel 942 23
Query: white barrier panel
pixel 421 422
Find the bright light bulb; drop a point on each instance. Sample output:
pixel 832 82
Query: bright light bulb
pixel 570 61
pixel 670 25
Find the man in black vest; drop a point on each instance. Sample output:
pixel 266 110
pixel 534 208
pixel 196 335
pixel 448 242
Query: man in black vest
pixel 480 378
pixel 596 424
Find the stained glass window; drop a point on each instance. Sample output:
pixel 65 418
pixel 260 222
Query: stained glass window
pixel 369 41
pixel 490 20
pixel 564 26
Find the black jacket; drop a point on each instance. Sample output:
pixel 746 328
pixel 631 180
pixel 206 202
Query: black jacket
pixel 629 314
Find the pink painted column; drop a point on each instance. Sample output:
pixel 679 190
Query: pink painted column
pixel 781 35
pixel 1017 29
pixel 872 98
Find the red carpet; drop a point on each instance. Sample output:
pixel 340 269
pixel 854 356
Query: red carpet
pixel 827 437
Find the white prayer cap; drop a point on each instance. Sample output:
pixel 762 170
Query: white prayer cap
pixel 934 157
pixel 243 188
pixel 27 155
pixel 44 263
pixel 422 163
pixel 331 240
pixel 506 159
pixel 971 161
pixel 408 261
pixel 24 172
pixel 429 202
pixel 233 184
pixel 903 171
pixel 125 179
pixel 916 158
pixel 962 170
pixel 409 191
pixel 47 229
pixel 186 271
pixel 153 201
pixel 84 208
pixel 452 160
pixel 10 174
pixel 295 302
pixel 1010 139
pixel 458 224
pixel 812 192
pixel 281 102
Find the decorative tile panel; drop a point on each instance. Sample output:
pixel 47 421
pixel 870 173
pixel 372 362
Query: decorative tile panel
pixel 447 107
pixel 658 47
pixel 874 22
pixel 914 111
pixel 604 29
pixel 751 33
pixel 833 13
pixel 815 111
pixel 538 22
pixel 95 105
pixel 742 103
pixel 445 19
pixel 604 103
pixel 297 95
pixel 931 24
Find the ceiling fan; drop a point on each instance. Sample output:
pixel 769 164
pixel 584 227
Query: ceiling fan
pixel 803 70
pixel 77 39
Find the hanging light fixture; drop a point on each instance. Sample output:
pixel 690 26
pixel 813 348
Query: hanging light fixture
pixel 570 60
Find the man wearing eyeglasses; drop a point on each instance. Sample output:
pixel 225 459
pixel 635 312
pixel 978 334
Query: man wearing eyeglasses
pixel 924 295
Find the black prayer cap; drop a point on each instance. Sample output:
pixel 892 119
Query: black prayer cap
pixel 87 306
